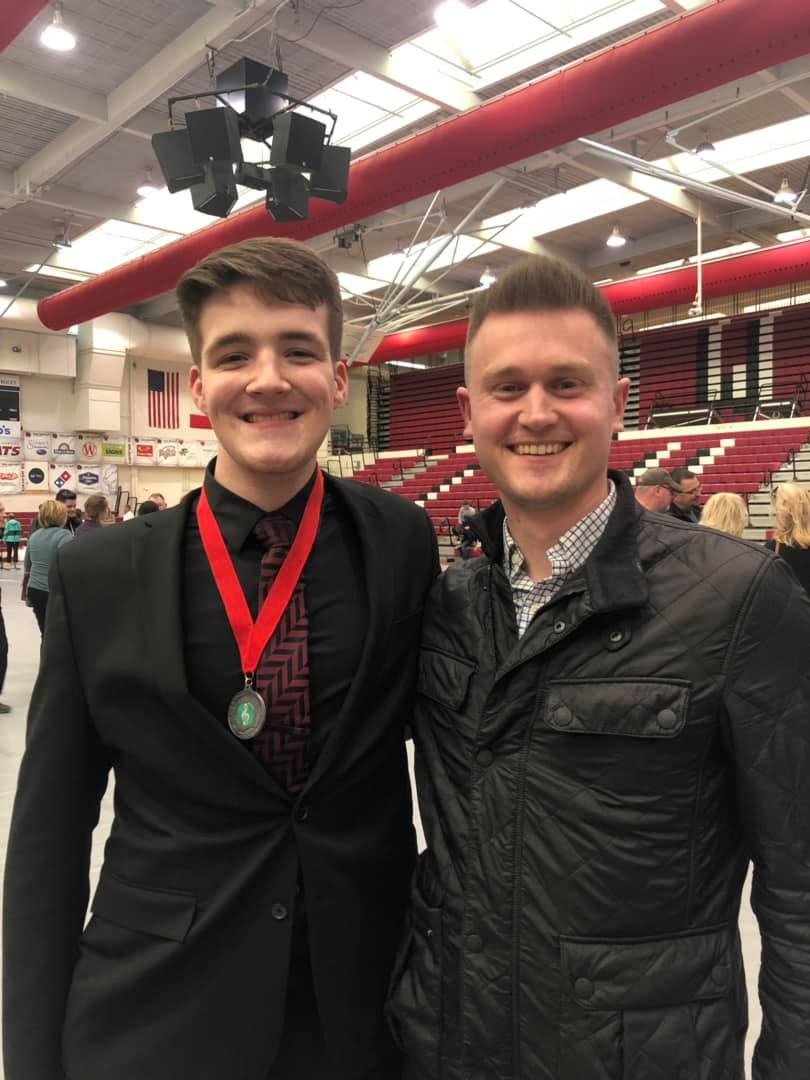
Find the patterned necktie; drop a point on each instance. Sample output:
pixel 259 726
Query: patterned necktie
pixel 282 676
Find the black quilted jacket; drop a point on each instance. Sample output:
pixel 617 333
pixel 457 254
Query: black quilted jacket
pixel 592 795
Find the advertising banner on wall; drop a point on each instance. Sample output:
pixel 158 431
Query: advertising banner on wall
pixel 63 446
pixel 37 446
pixel 208 449
pixel 109 480
pixel 144 452
pixel 189 456
pixel 11 479
pixel 10 406
pixel 115 448
pixel 168 453
pixel 89 448
pixel 88 480
pixel 10 449
pixel 35 476
pixel 61 476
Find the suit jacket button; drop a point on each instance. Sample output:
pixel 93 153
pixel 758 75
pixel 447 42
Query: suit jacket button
pixel 583 988
pixel 302 812
pixel 484 757
pixel 667 719
pixel 563 716
pixel 279 912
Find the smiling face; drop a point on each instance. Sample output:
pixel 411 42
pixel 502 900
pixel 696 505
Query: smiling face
pixel 541 404
pixel 267 383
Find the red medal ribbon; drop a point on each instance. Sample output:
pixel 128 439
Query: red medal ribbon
pixel 252 637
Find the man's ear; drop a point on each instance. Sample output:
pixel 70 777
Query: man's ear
pixel 341 394
pixel 463 399
pixel 195 387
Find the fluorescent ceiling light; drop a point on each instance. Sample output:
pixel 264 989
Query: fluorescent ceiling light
pixel 603 281
pixel 423 258
pixel 785 196
pixel 690 319
pixel 720 253
pixel 616 239
pixel 3 283
pixel 793 234
pixel 672 265
pixel 451 14
pixel 147 189
pixel 406 363
pixel 358 285
pixel 769 305
pixel 369 109
pixel 49 270
pixel 760 149
pixel 56 35
pixel 487 278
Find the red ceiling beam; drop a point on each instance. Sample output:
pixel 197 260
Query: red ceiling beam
pixel 14 17
pixel 683 57
pixel 724 277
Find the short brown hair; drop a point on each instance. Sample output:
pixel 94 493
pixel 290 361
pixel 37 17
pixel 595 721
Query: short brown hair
pixel 52 514
pixel 276 269
pixel 542 283
pixel 95 506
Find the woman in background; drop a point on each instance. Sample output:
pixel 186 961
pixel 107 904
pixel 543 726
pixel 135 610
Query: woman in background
pixel 725 512
pixel 42 546
pixel 12 535
pixel 791 534
pixel 95 509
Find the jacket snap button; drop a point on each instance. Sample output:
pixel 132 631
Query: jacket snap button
pixel 484 757
pixel 474 943
pixel 279 912
pixel 667 719
pixel 720 974
pixel 583 988
pixel 615 637
pixel 559 627
pixel 563 715
pixel 302 813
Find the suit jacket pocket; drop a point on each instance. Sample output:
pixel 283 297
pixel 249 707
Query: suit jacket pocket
pixel 163 913
pixel 642 1007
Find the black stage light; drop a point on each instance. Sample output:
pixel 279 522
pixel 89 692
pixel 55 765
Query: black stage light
pixel 257 106
pixel 217 193
pixel 331 181
pixel 288 197
pixel 214 135
pixel 297 142
pixel 173 152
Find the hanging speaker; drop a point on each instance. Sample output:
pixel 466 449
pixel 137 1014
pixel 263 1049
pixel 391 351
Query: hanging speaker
pixel 297 142
pixel 257 106
pixel 217 193
pixel 214 135
pixel 331 181
pixel 173 152
pixel 288 197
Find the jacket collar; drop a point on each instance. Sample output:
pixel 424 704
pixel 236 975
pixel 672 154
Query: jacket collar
pixel 613 573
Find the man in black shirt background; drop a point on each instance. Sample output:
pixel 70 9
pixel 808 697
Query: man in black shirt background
pixel 253 886
pixel 686 503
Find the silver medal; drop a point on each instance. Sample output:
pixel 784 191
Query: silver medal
pixel 246 713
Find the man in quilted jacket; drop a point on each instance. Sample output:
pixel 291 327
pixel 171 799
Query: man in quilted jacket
pixel 613 722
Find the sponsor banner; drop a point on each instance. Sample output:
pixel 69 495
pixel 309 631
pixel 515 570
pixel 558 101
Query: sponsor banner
pixel 144 451
pixel 89 447
pixel 61 476
pixel 63 446
pixel 37 445
pixel 115 448
pixel 197 420
pixel 10 449
pixel 10 424
pixel 11 479
pixel 168 452
pixel 189 455
pixel 208 449
pixel 35 476
pixel 88 480
pixel 109 480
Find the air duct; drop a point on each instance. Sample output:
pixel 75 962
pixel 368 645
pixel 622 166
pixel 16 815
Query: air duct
pixel 683 57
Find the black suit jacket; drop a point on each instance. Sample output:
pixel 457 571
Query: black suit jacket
pixel 181 971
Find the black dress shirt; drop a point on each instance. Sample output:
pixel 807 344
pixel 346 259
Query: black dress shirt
pixel 334 589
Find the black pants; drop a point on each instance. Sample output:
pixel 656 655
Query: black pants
pixel 12 551
pixel 38 599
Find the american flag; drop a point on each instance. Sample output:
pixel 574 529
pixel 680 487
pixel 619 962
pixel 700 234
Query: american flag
pixel 164 399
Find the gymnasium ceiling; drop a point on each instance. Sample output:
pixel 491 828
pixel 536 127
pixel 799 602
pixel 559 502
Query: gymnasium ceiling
pixel 75 130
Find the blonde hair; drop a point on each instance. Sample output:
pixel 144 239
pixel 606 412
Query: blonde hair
pixel 52 514
pixel 725 511
pixel 792 515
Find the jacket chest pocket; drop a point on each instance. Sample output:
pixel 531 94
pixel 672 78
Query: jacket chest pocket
pixel 624 708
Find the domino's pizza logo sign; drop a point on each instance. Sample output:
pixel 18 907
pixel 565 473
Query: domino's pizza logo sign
pixel 61 479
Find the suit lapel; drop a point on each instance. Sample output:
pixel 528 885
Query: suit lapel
pixel 367 520
pixel 157 560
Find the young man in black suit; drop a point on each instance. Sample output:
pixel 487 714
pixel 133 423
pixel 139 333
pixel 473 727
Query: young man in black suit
pixel 254 881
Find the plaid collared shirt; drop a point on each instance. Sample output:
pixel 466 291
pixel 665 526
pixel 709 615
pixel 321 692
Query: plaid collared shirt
pixel 566 557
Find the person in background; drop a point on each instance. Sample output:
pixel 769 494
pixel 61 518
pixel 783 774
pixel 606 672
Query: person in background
pixel 95 509
pixel 655 489
pixel 129 513
pixel 791 534
pixel 12 535
pixel 725 511
pixel 74 517
pixel 686 504
pixel 158 500
pixel 43 545
pixel 148 506
pixel 465 512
